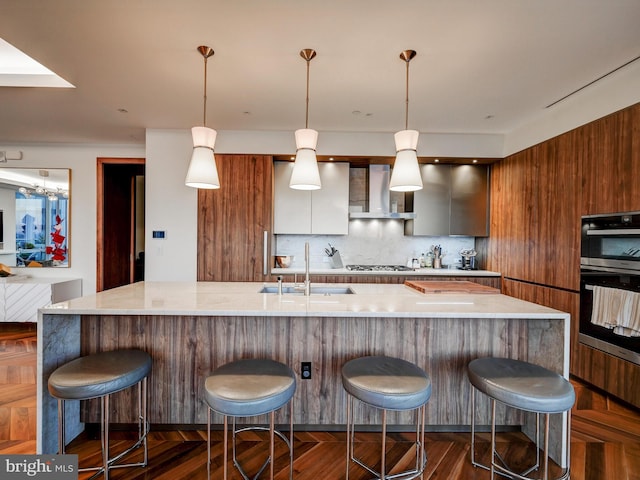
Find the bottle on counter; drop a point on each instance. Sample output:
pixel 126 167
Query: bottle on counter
pixel 429 260
pixel 422 260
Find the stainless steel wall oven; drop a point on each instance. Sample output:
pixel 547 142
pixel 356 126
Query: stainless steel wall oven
pixel 610 258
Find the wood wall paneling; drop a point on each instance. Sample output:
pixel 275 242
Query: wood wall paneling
pixel 535 217
pixel 537 198
pixel 232 220
pixel 186 349
pixel 611 158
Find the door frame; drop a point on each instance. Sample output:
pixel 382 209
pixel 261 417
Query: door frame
pixel 101 162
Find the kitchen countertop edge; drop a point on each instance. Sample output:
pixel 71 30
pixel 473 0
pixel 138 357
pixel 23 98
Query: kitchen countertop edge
pixel 238 299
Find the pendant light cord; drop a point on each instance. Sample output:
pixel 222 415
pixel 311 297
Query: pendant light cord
pixel 407 55
pixel 406 114
pixel 206 52
pixel 306 120
pixel 308 54
pixel 204 111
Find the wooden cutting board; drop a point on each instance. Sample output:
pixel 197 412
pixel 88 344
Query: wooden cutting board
pixel 450 287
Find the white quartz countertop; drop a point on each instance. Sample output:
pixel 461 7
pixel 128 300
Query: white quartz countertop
pixel 243 299
pixel 27 279
pixel 426 272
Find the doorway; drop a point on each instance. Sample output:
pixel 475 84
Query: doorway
pixel 120 222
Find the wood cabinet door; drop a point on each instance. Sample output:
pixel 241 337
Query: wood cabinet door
pixel 232 221
pixel 535 215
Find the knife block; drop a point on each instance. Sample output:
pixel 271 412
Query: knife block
pixel 336 260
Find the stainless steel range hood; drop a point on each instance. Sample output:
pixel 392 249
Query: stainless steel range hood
pixel 380 197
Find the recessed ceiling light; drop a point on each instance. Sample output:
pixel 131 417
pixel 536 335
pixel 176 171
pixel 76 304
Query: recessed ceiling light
pixel 123 110
pixel 356 112
pixel 19 70
pixel 488 117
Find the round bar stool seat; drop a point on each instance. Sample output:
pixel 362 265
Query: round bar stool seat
pixel 387 383
pixel 98 376
pixel 247 388
pixel 524 386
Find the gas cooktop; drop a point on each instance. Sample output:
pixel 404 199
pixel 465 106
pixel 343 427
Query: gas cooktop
pixel 379 268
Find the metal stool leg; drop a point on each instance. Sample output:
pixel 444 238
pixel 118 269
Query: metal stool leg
pixel 421 456
pixel 493 438
pixel 61 426
pixel 226 446
pixel 104 430
pixel 208 443
pixel 383 456
pixel 291 440
pixel 271 442
pixel 349 434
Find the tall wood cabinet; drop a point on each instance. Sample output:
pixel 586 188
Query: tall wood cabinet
pixel 235 221
pixel 537 198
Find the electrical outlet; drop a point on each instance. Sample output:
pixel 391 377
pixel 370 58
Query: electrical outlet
pixel 305 370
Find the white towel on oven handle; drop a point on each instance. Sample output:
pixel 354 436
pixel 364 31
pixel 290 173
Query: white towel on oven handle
pixel 616 309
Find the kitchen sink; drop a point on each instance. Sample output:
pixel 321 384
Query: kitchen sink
pixel 315 290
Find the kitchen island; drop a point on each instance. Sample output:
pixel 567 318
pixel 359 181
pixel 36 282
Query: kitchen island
pixel 189 329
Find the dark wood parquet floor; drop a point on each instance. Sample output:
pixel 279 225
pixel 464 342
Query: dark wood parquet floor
pixel 605 438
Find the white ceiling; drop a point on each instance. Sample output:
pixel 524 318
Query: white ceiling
pixel 504 59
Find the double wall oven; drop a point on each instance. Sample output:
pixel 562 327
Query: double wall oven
pixel 610 257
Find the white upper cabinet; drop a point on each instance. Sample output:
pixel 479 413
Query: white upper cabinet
pixel 322 212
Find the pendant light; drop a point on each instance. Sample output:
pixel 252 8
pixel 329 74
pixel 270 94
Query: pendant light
pixel 305 175
pixel 202 171
pixel 405 176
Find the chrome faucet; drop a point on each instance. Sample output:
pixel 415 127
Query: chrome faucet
pixel 306 286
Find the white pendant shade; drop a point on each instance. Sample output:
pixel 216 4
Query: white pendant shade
pixel 204 137
pixel 203 172
pixel 306 138
pixel 405 176
pixel 305 175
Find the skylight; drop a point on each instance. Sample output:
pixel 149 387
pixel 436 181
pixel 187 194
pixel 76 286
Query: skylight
pixel 20 70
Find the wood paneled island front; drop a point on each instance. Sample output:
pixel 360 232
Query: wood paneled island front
pixel 189 329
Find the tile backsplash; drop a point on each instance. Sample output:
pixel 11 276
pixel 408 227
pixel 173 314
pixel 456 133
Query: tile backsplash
pixel 370 242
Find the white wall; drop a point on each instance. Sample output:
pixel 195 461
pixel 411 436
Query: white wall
pixel 170 206
pixel 82 162
pixel 615 92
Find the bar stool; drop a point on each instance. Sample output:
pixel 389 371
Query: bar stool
pixel 247 388
pixel 526 387
pixel 387 383
pixel 98 376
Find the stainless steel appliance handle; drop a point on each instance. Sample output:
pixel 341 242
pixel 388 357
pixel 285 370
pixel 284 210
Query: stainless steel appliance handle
pixel 586 268
pixel 265 256
pixel 618 231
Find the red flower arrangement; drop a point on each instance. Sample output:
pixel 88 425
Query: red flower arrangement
pixel 57 250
